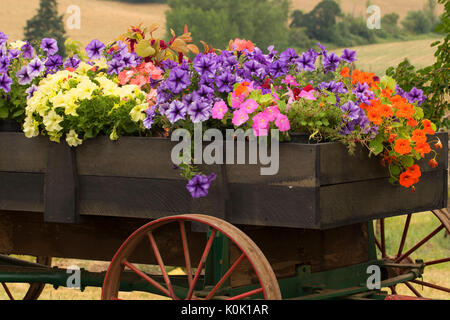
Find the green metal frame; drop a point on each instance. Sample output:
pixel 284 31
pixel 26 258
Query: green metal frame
pixel 346 282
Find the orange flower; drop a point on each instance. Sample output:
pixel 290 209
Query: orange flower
pixel 427 126
pixel 423 148
pixel 438 145
pixel 364 106
pixel 407 180
pixel 242 89
pixel 241 44
pixel 402 146
pixel 392 137
pixel 405 111
pixel 397 99
pixel 433 163
pixel 374 117
pixel 386 93
pixel 414 171
pixel 419 136
pixel 412 122
pixel 385 111
pixel 356 76
pixel 345 72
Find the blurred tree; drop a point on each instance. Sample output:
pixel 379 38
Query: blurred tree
pixel 216 22
pixel 46 24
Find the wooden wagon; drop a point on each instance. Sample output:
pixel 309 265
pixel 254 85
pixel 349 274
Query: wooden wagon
pixel 305 233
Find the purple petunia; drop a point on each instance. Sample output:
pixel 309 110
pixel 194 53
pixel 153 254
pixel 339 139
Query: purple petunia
pixel 306 62
pixel 94 49
pixel 148 121
pixel 363 93
pixel 52 63
pixel 205 64
pixel 3 38
pixel 416 95
pixel 330 62
pixel 348 56
pixel 4 64
pixel 130 60
pixel 35 67
pixel 27 51
pixel 177 111
pixel 225 82
pixel 199 111
pixel 289 56
pixel 168 64
pixel 351 110
pixel 72 62
pixel 178 80
pixel 31 90
pixel 13 54
pixel 205 92
pixel 5 82
pixel 115 66
pixel 50 46
pixel 278 68
pixel 199 185
pixel 23 76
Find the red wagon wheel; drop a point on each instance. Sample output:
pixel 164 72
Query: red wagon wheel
pixel 404 254
pixel 33 291
pixel 267 282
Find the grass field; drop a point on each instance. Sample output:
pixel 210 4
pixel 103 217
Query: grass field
pixel 421 225
pixel 378 57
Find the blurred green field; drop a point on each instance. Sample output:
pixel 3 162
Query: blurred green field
pixel 378 57
pixel 421 225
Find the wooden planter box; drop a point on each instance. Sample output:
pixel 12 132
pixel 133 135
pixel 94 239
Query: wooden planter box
pixel 318 186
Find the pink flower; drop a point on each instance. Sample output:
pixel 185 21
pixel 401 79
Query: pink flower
pixel 239 117
pixel 290 80
pixel 249 105
pixel 151 96
pixel 260 125
pixel 236 101
pixel 308 95
pixel 241 44
pixel 271 113
pixel 125 76
pixel 282 122
pixel 139 80
pixel 219 110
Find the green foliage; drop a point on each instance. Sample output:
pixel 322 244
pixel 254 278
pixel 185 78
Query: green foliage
pixel 433 80
pixel 216 22
pixel 417 22
pixel 46 24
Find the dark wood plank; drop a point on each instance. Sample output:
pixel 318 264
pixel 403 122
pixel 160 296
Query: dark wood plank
pixel 94 238
pixel 20 154
pixel 22 191
pixel 337 166
pixel 61 185
pixel 367 200
pixel 287 248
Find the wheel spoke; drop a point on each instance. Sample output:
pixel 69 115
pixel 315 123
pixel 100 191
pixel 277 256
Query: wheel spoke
pixel 383 239
pixel 431 285
pixel 200 265
pixel 187 257
pixel 161 265
pixel 225 277
pixel 429 263
pixel 410 287
pixel 246 294
pixel 7 291
pixel 405 232
pixel 146 278
pixel 378 244
pixel 419 244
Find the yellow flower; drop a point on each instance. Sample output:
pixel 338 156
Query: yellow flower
pixel 101 63
pixel 114 136
pixel 138 112
pixel 83 68
pixel 72 139
pixel 51 121
pixel 30 127
pixel 17 44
